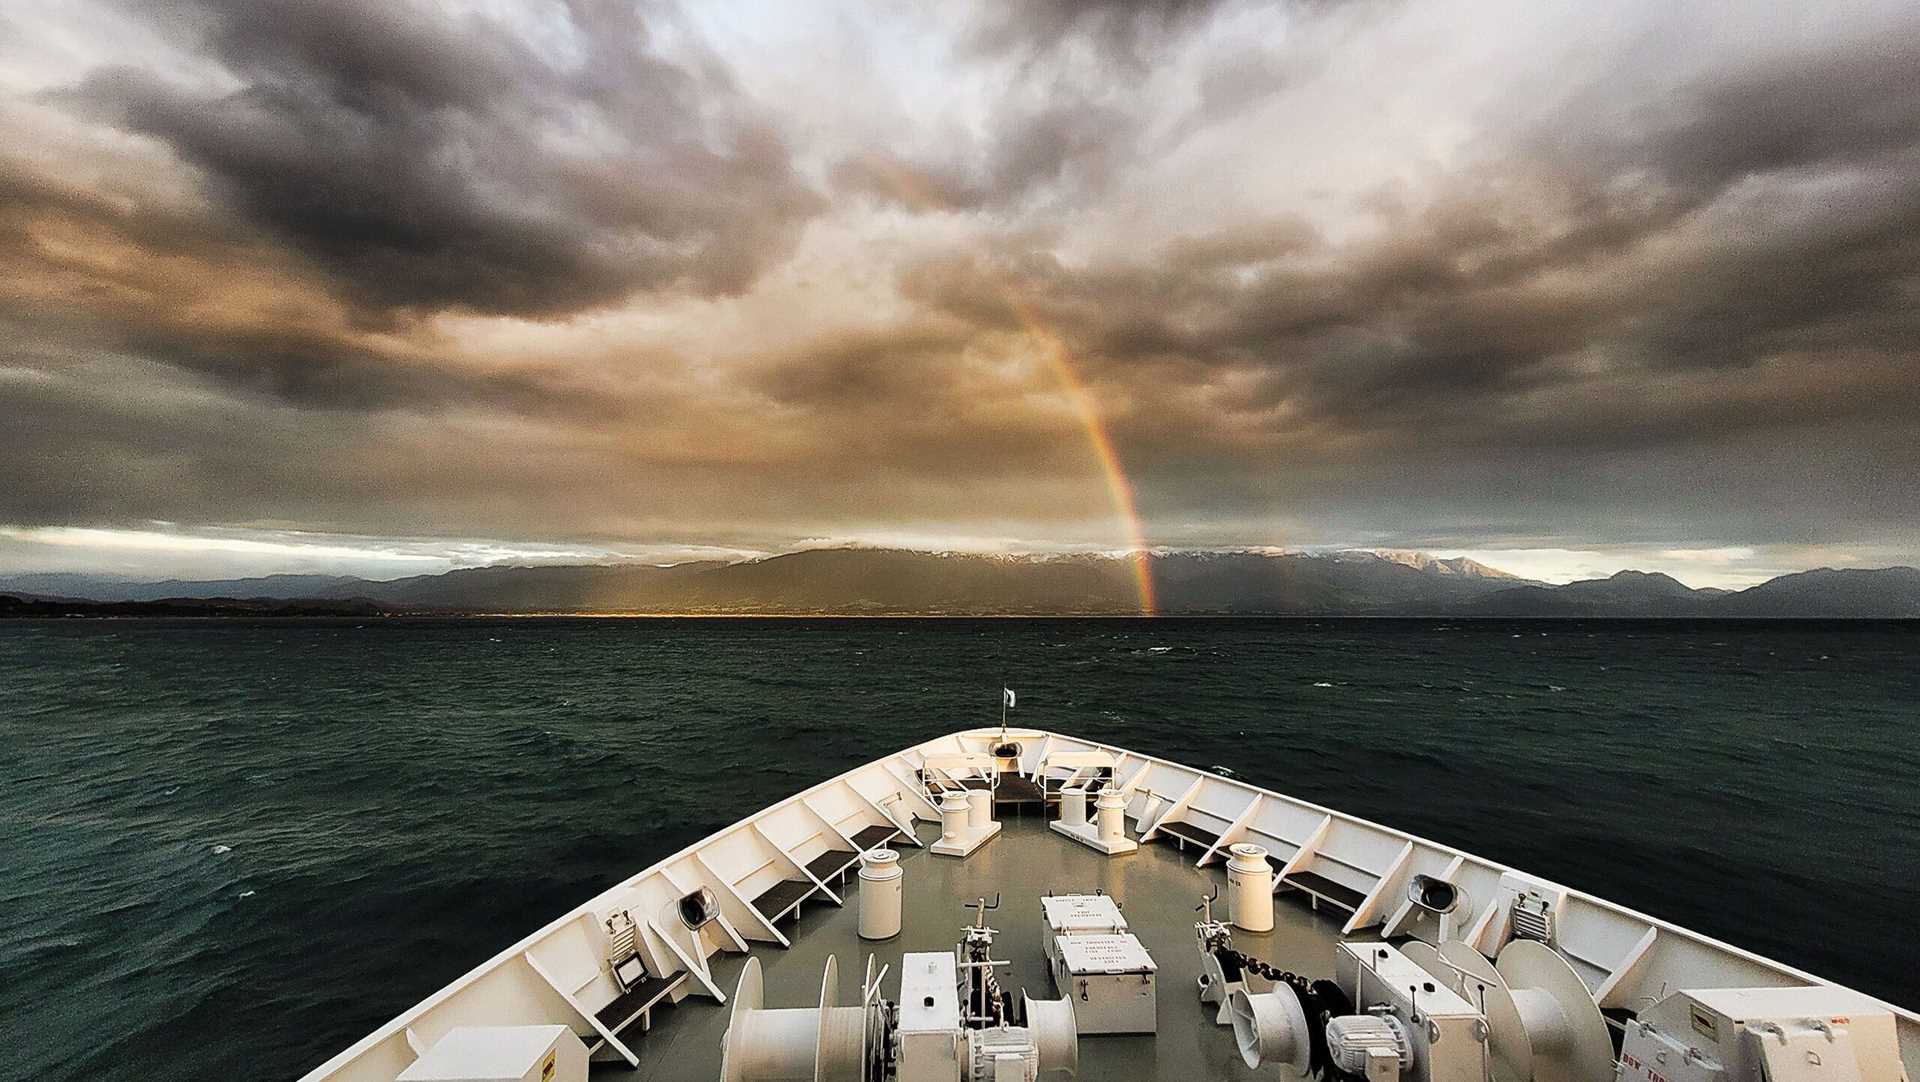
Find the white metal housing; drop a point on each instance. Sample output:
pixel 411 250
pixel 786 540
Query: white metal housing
pixel 1754 1034
pixel 502 1054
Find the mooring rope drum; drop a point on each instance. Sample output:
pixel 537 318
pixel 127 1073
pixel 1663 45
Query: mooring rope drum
pixel 1319 999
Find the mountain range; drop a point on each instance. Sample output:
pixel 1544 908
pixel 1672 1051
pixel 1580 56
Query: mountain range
pixel 865 581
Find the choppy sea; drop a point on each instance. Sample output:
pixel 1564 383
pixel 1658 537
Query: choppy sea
pixel 231 848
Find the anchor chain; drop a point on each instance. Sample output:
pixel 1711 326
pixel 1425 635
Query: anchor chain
pixel 1278 976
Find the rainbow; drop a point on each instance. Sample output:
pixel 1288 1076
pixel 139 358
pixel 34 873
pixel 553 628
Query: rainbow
pixel 1119 486
pixel 914 190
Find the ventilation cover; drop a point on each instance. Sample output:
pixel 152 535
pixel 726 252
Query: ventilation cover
pixel 1532 918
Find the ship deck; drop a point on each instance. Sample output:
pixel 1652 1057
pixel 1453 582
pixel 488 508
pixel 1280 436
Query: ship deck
pixel 772 881
pixel 1158 888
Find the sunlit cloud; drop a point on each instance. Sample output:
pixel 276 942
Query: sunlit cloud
pixel 151 541
pixel 202 553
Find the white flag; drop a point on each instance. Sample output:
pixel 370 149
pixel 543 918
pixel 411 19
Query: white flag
pixel 1009 692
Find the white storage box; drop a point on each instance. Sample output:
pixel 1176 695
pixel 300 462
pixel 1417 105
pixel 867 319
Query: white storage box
pixel 1109 979
pixel 1078 914
pixel 502 1054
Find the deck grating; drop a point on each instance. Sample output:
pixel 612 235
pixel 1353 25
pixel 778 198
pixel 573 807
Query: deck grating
pixel 1338 893
pixel 874 837
pixel 1189 834
pixel 785 895
pixel 831 863
pixel 622 1011
pixel 1014 789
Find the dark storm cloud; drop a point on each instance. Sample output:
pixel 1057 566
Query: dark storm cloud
pixel 1119 30
pixel 1557 291
pixel 109 442
pixel 1061 126
pixel 428 160
pixel 361 167
pixel 917 399
pixel 90 272
pixel 318 370
pixel 1819 105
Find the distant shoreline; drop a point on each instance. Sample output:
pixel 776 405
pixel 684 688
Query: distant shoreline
pixel 12 609
pixel 856 583
pixel 29 608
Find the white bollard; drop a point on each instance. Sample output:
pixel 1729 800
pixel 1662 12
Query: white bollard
pixel 979 808
pixel 1249 888
pixel 1073 806
pixel 953 816
pixel 880 883
pixel 1108 831
pixel 966 822
pixel 1111 808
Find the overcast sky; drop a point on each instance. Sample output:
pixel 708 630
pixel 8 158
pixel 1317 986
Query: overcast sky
pixel 390 287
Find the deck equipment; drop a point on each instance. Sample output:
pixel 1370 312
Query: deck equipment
pixel 1346 950
pixel 952 1023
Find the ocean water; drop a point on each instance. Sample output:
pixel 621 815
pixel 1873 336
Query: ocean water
pixel 233 848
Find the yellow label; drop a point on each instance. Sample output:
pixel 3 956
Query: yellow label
pixel 546 1069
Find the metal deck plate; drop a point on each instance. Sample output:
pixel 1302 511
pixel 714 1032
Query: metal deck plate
pixel 1156 885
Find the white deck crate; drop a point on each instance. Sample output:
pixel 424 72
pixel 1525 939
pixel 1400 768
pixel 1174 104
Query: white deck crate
pixel 1078 914
pixel 1109 979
